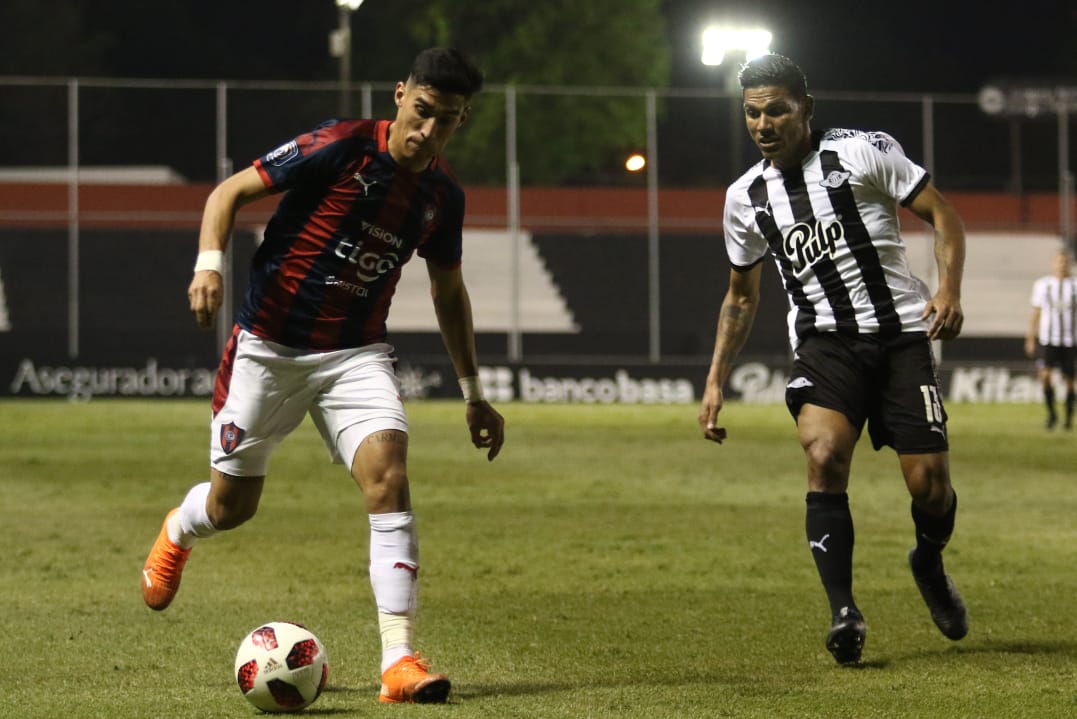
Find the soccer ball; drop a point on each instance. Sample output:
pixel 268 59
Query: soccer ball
pixel 281 667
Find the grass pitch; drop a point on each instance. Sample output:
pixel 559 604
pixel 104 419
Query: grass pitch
pixel 610 563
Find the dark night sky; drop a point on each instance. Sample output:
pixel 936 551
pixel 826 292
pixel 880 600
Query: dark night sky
pixel 915 45
pixel 864 45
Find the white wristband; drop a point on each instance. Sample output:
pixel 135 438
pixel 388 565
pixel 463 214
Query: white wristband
pixel 210 260
pixel 472 388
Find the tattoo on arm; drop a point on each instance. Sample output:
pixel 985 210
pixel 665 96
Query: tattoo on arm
pixel 391 435
pixel 733 321
pixel 734 324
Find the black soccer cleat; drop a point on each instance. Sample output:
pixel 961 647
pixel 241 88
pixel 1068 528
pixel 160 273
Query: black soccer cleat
pixel 846 637
pixel 941 597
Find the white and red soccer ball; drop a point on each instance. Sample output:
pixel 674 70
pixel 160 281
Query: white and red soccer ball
pixel 281 667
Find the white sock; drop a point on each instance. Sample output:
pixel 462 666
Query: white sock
pixel 394 569
pixel 191 522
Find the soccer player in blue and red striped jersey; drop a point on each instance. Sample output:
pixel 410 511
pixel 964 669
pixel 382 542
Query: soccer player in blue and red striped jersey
pixel 360 197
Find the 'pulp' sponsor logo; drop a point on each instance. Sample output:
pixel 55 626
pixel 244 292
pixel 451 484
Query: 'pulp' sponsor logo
pixel 757 383
pixel 807 244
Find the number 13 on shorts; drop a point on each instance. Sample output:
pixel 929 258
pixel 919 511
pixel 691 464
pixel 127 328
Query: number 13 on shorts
pixel 932 405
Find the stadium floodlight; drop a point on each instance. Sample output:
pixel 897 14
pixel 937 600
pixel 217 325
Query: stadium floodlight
pixel 719 40
pixel 635 162
pixel 340 47
pixel 746 43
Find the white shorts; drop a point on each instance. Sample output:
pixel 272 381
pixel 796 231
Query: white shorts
pixel 265 389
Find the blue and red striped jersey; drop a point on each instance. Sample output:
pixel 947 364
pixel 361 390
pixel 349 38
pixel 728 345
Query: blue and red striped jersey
pixel 325 273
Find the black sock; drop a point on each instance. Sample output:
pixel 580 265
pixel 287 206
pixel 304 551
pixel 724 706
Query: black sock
pixel 932 535
pixel 829 526
pixel 1049 400
pixel 1071 398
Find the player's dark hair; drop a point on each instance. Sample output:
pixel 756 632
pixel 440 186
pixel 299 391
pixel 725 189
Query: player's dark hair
pixel 447 70
pixel 774 70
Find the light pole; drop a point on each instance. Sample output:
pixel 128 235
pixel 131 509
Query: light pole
pixel 340 46
pixel 718 42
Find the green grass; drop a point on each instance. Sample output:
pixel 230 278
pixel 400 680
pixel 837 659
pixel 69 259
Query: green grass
pixel 610 563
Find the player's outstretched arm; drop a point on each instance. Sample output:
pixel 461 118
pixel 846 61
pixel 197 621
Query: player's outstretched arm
pixel 944 308
pixel 734 324
pixel 206 291
pixel 453 309
pixel 1033 331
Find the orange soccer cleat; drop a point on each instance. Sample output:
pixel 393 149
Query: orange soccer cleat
pixel 164 567
pixel 408 681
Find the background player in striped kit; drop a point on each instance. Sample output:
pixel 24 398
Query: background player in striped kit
pixel 825 206
pixel 360 197
pixel 1050 338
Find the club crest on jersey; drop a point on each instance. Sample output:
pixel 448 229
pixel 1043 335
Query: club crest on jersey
pixel 430 214
pixel 807 244
pixel 835 179
pixel 231 436
pixel 283 153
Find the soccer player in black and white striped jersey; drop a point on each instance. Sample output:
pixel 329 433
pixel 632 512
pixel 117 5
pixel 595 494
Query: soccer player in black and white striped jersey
pixel 1051 334
pixel 825 207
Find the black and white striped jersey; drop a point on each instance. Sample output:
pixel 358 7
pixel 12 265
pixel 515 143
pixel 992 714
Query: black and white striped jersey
pixel 1056 299
pixel 831 226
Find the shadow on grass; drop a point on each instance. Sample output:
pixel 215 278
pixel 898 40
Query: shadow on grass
pixel 480 691
pixel 475 691
pixel 731 679
pixel 363 695
pixel 1018 647
pixel 316 711
pixel 468 691
pixel 864 665
pixel 1031 648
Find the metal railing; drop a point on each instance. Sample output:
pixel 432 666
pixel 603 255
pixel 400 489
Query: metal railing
pixel 202 129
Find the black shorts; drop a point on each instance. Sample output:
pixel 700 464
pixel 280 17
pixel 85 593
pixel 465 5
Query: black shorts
pixel 890 383
pixel 1057 357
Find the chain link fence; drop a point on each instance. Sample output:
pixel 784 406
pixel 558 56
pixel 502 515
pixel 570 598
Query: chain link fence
pixel 571 256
